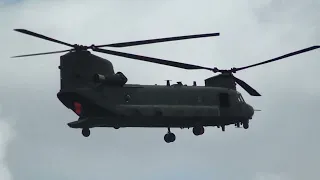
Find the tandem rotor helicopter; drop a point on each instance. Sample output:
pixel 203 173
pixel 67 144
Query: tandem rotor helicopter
pixel 102 98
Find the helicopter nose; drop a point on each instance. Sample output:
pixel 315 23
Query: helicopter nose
pixel 250 111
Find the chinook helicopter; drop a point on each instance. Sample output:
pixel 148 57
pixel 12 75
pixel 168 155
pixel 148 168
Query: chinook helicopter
pixel 102 98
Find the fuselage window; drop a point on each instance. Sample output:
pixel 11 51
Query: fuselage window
pixel 224 99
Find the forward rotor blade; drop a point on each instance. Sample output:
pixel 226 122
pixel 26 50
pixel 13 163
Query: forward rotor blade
pixel 37 54
pixel 24 31
pixel 281 57
pixel 150 59
pixel 159 40
pixel 246 87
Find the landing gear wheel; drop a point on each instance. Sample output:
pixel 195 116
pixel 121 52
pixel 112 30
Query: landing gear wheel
pixel 246 125
pixel 86 132
pixel 198 130
pixel 169 137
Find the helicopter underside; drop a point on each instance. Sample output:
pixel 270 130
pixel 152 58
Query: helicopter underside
pixel 157 122
pixel 196 123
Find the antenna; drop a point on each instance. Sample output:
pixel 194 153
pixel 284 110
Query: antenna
pixel 168 82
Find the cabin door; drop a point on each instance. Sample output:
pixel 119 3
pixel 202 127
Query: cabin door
pixel 224 104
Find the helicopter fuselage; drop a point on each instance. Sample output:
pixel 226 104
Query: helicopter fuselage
pixel 103 99
pixel 155 106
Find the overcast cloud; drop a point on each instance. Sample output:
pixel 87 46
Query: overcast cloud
pixel 281 143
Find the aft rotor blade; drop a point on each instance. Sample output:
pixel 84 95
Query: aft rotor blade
pixel 37 54
pixel 280 57
pixel 24 31
pixel 159 40
pixel 246 87
pixel 151 59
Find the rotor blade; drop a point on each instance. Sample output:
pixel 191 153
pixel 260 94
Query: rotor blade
pixel 281 57
pixel 159 40
pixel 246 87
pixel 24 31
pixel 150 59
pixel 37 54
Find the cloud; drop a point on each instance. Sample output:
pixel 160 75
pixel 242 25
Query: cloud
pixel 280 143
pixel 6 135
pixel 270 176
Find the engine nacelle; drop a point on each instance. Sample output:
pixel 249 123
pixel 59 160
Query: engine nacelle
pixel 118 79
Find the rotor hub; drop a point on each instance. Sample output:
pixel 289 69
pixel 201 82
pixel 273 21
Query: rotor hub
pixel 78 47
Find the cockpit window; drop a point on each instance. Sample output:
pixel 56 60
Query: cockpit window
pixel 240 98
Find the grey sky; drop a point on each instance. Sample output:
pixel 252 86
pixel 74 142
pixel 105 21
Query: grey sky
pixel 281 143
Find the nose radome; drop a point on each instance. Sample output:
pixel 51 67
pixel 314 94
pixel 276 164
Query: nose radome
pixel 251 110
